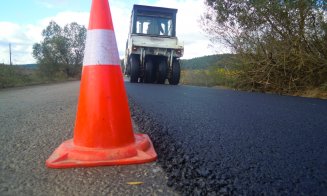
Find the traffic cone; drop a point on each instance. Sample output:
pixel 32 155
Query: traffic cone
pixel 103 133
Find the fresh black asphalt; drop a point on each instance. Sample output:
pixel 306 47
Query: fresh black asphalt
pixel 224 142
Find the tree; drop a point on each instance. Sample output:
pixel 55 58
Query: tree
pixel 282 44
pixel 61 50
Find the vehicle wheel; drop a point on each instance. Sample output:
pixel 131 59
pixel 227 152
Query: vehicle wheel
pixel 175 73
pixel 162 72
pixel 149 72
pixel 134 69
pixel 127 70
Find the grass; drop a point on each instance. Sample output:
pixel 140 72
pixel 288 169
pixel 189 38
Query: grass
pixel 210 77
pixel 223 77
pixel 14 76
pixel 320 92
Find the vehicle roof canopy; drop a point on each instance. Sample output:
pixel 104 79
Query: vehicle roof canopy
pixel 140 8
pixel 147 15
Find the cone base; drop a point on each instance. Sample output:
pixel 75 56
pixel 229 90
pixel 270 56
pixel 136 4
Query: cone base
pixel 69 155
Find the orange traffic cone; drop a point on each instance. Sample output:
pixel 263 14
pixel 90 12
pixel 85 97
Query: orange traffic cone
pixel 103 132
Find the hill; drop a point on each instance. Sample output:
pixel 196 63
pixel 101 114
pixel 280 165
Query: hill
pixel 219 60
pixel 29 66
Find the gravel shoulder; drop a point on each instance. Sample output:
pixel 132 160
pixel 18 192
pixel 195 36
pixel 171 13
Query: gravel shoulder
pixel 34 121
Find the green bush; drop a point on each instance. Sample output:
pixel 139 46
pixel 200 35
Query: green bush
pixel 13 76
pixel 214 76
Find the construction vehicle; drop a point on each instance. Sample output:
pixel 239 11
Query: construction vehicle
pixel 153 51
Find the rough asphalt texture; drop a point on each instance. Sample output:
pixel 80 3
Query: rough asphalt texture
pixel 224 142
pixel 33 122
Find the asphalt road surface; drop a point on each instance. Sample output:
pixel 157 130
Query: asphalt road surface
pixel 33 122
pixel 224 142
pixel 209 142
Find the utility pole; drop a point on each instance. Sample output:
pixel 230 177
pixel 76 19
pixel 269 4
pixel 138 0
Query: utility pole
pixel 10 53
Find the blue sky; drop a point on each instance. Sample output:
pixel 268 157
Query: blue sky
pixel 22 21
pixel 22 11
pixel 29 11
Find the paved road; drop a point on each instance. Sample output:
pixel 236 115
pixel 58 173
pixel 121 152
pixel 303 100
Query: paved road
pixel 213 141
pixel 33 122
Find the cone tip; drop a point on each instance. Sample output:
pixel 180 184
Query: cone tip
pixel 100 15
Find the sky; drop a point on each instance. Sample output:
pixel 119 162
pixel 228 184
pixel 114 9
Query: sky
pixel 22 21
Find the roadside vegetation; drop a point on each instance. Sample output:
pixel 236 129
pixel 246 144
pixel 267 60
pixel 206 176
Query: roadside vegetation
pixel 225 71
pixel 16 75
pixel 279 46
pixel 213 70
pixel 11 76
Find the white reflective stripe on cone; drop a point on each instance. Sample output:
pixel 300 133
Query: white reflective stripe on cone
pixel 101 48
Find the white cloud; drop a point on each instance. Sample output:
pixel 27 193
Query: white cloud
pixel 45 4
pixel 121 18
pixel 189 31
pixel 21 43
pixel 67 17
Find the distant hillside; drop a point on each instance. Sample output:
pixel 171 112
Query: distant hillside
pixel 29 66
pixel 204 62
